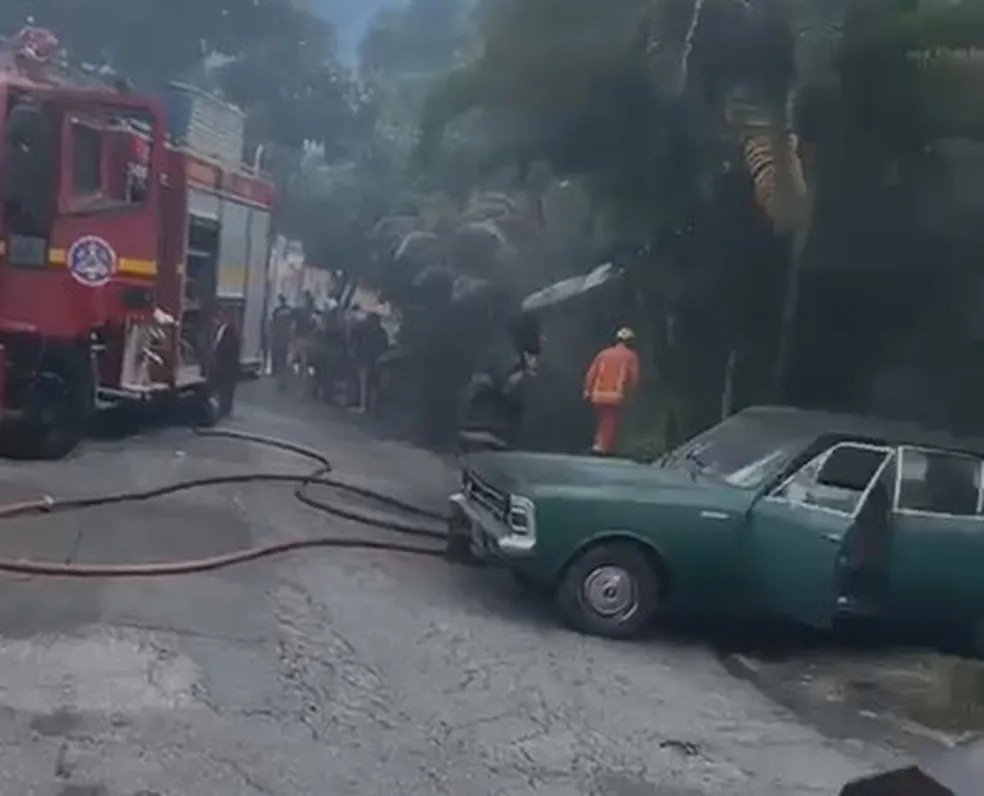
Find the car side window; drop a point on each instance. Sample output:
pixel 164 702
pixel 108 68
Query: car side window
pixel 797 488
pixel 805 488
pixel 939 482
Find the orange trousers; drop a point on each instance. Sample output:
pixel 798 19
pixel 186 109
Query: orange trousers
pixel 606 428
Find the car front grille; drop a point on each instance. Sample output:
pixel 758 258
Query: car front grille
pixel 485 495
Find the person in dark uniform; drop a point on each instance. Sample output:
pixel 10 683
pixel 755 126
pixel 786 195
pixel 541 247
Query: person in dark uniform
pixel 280 327
pixel 330 352
pixel 496 398
pixel 304 327
pixel 528 342
pixel 369 343
pixel 226 367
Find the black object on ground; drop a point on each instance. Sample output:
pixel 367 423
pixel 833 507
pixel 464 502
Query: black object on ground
pixel 957 772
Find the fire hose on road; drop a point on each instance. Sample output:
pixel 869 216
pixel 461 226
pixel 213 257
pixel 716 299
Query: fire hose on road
pixel 318 477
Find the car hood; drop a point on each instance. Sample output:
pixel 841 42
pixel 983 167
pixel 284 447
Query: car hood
pixel 514 470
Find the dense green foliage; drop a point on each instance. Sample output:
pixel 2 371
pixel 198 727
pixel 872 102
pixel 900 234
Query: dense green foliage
pixel 674 120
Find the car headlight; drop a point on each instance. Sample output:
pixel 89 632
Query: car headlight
pixel 521 517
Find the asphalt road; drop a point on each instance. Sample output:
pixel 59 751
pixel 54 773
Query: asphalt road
pixel 341 672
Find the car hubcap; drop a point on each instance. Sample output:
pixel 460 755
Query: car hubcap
pixel 610 591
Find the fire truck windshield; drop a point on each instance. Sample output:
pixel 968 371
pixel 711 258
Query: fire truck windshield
pixel 26 175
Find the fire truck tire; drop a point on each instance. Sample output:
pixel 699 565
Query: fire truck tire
pixel 62 407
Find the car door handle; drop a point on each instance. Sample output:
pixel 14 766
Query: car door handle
pixel 714 515
pixel 834 538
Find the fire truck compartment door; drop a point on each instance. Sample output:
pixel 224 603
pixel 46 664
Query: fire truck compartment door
pixel 204 205
pixel 256 288
pixel 233 250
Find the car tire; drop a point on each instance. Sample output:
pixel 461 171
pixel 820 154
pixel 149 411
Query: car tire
pixel 611 590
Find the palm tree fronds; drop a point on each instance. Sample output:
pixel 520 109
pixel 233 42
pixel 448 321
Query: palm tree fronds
pixel 413 241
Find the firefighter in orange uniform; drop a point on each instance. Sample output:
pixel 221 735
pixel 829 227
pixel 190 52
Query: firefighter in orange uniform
pixel 613 375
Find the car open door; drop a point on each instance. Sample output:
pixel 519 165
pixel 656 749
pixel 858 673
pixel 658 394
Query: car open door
pixel 938 546
pixel 797 535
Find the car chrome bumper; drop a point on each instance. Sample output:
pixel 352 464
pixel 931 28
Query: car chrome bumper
pixel 490 537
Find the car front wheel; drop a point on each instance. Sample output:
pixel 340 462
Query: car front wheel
pixel 611 590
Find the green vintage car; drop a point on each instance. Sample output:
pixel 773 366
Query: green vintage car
pixel 803 515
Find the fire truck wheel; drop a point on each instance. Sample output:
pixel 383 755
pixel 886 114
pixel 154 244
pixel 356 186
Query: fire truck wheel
pixel 62 406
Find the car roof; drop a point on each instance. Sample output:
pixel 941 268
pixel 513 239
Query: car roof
pixel 812 424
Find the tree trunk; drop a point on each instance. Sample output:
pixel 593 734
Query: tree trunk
pixel 815 30
pixel 790 307
pixel 793 216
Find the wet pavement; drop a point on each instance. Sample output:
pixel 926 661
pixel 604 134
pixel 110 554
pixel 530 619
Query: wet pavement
pixel 345 672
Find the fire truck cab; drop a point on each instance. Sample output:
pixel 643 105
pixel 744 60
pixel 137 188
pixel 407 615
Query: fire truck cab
pixel 132 264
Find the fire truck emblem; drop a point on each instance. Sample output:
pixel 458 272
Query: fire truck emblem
pixel 91 261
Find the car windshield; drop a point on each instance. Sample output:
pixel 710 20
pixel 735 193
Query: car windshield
pixel 739 451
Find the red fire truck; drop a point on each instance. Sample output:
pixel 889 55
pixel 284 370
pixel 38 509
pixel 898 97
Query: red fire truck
pixel 133 249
